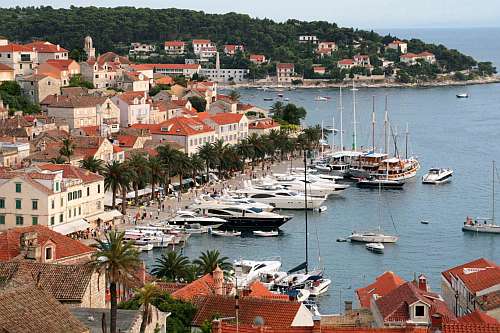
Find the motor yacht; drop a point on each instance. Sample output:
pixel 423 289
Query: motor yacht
pixel 260 233
pixel 317 287
pixel 196 228
pixel 375 247
pixel 184 217
pixel 247 271
pixel 269 280
pixel 463 95
pixel 225 233
pixel 382 183
pixel 437 176
pixel 296 184
pixel 280 198
pixel 372 237
pixel 241 216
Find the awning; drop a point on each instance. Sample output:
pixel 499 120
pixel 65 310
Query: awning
pixel 104 216
pixel 71 227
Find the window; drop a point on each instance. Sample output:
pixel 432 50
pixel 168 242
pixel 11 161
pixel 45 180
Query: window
pixel 18 188
pixel 69 213
pixel 79 210
pixel 52 220
pixel 74 211
pixel 34 220
pixel 98 188
pixel 70 196
pixel 88 191
pixel 2 219
pixel 48 253
pixel 19 220
pixel 2 203
pixel 419 311
pixel 53 204
pixel 19 204
pixel 62 201
pixel 34 204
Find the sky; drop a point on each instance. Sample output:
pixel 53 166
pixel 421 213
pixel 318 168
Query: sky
pixel 366 14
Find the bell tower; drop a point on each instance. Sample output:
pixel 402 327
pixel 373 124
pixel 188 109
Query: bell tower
pixel 88 47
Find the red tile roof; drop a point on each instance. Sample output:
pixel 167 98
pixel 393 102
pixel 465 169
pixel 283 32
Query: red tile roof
pixel 284 66
pixel 225 118
pixel 46 47
pixel 177 66
pixel 409 56
pixel 230 327
pixel 15 48
pixel 201 41
pixel 425 54
pixel 477 275
pixel 174 43
pixel 65 246
pixel 383 285
pixel 126 140
pixel 61 64
pixel 346 62
pixel 129 96
pixel 264 124
pixel 203 286
pixel 181 126
pixel 164 80
pixel 257 289
pixel 139 67
pixel 478 317
pixel 257 57
pixel 470 328
pixel 396 41
pixel 73 172
pixel 275 313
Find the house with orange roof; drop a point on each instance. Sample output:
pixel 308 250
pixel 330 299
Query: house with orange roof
pixel 251 110
pixel 135 108
pixel 64 69
pixel 412 58
pixel 231 49
pixel 398 45
pixel 321 70
pixel 261 126
pixel 257 58
pixel 37 86
pixel 201 45
pixel 285 72
pixel 174 47
pixel 383 285
pixel 164 80
pixel 47 50
pixel 229 127
pixel 473 286
pixel 6 73
pixel 103 71
pixel 21 58
pixel 346 64
pixel 133 81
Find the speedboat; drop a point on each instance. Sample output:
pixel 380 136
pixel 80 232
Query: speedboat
pixel 372 237
pixel 243 200
pixel 318 286
pixel 189 217
pixel 380 183
pixel 269 280
pixel 437 176
pixel 321 99
pixel 463 95
pixel 299 280
pixel 247 271
pixel 225 233
pixel 323 167
pixel 196 228
pixel 375 247
pixel 297 184
pixel 268 99
pixel 279 197
pixel 260 233
pixel 241 216
pixel 481 225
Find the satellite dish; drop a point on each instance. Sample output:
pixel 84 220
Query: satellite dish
pixel 258 321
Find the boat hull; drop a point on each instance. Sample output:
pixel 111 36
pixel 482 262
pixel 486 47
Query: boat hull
pixel 373 238
pixel 385 185
pixel 488 229
pixel 249 223
pixel 442 180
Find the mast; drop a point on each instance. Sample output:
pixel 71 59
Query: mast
pixel 373 123
pixel 354 134
pixel 341 128
pixel 493 196
pixel 406 142
pixel 322 138
pixel 305 206
pixel 386 128
pixel 333 134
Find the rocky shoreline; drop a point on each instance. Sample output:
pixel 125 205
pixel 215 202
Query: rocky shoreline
pixel 361 84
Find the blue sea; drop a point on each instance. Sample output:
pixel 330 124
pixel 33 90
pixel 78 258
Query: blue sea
pixel 444 132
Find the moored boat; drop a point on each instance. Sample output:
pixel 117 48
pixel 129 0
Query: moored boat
pixel 437 176
pixel 382 183
pixel 372 237
pixel 261 233
pixel 463 95
pixel 375 247
pixel 225 233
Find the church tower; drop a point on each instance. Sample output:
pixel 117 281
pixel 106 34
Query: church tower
pixel 88 47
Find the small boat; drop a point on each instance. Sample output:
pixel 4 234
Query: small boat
pixel 260 233
pixel 437 176
pixel 196 228
pixel 372 237
pixel 280 95
pixel 286 99
pixel 424 222
pixel 323 168
pixel 225 233
pixel 318 287
pixel 341 240
pixel 268 99
pixel 321 209
pixel 380 183
pixel 463 95
pixel 375 247
pixel 321 99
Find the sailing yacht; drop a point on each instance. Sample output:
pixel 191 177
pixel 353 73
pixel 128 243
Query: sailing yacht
pixel 484 225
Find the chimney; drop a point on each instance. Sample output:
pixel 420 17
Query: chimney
pixel 347 306
pixel 218 276
pixel 422 283
pixel 58 47
pixel 28 244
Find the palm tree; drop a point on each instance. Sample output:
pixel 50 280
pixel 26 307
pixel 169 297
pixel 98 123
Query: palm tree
pixel 181 166
pixel 166 154
pixel 113 178
pixel 257 142
pixel 219 148
pixel 171 266
pixel 57 160
pixel 125 181
pixel 155 168
pixel 138 166
pixel 209 260
pixel 147 295
pixel 92 164
pixel 234 95
pixel 277 108
pixel 206 152
pixel 246 150
pixel 118 260
pixel 68 149
pixel 197 165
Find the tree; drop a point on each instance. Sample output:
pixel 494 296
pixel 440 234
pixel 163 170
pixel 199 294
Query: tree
pixel 219 149
pixel 196 164
pixel 139 171
pixel 234 95
pixel 57 160
pixel 147 295
pixel 171 266
pixel 181 166
pixel 92 164
pixel 68 149
pixel 114 178
pixel 209 260
pixel 291 114
pixel 199 103
pixel 78 81
pixel 118 260
pixel 155 168
pixel 166 154
pixel 206 152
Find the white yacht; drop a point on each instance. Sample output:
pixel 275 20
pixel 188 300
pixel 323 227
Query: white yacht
pixel 247 201
pixel 295 184
pixel 247 271
pixel 372 237
pixel 318 287
pixel 183 217
pixel 375 247
pixel 281 198
pixel 313 181
pixel 437 176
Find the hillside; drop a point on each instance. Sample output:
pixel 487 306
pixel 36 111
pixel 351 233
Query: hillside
pixel 114 29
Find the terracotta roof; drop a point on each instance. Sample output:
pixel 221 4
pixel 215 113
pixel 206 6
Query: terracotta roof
pixel 257 289
pixel 182 126
pixel 257 57
pixel 46 47
pixel 201 41
pixel 470 328
pixel 319 68
pixel 90 130
pixel 477 275
pixel 224 118
pixel 65 246
pixel 203 286
pixel 111 57
pixel 169 287
pixel 64 282
pixel 425 54
pixel 245 107
pixel 28 178
pixel 15 48
pixel 129 96
pixel 275 313
pixel 62 64
pixel 164 80
pixel 383 285
pixel 73 172
pixel 346 62
pixel 174 43
pixel 394 306
pixel 27 308
pixel 126 140
pixel 4 67
pixel 177 66
pixel 409 56
pixel 284 66
pixel 478 317
pixel 263 124
pixel 74 101
pixel 230 327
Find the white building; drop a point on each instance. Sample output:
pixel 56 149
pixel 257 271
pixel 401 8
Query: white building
pixel 285 72
pixel 225 74
pixel 21 58
pixel 141 49
pixel 175 47
pixel 135 108
pixel 200 44
pixel 229 127
pixel 398 46
pixel 187 70
pixel 47 51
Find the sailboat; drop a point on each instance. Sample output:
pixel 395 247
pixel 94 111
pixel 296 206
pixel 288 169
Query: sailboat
pixel 377 236
pixel 484 225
